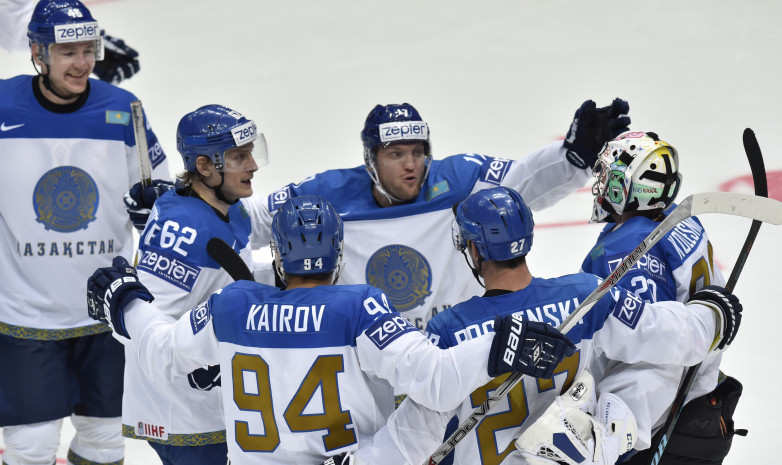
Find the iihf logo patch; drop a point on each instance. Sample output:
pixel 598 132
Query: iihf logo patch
pixel 65 199
pixel 402 273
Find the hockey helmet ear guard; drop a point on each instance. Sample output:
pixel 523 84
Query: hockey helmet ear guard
pixel 389 124
pixel 634 172
pixel 497 221
pixel 307 236
pixel 62 22
pixel 230 140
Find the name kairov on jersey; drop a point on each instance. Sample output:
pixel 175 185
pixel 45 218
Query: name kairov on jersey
pixel 285 318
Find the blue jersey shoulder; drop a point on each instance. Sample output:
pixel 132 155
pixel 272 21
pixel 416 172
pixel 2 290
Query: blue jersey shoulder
pixel 256 315
pixel 449 181
pixel 657 265
pixel 184 225
pixel 549 301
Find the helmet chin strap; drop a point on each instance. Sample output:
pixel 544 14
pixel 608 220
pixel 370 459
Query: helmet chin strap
pixel 218 190
pixel 372 170
pixel 476 271
pixel 47 83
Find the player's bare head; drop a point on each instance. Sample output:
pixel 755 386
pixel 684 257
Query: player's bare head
pixel 636 172
pixel 397 151
pixel 215 140
pixel 307 235
pixel 497 223
pixel 65 42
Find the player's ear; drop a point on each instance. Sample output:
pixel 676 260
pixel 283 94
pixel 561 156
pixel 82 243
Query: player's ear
pixel 37 55
pixel 205 166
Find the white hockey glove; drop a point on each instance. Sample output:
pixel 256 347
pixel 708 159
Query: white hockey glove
pixel 567 432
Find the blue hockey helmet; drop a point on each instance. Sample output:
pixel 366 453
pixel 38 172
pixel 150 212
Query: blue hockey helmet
pixel 307 236
pixel 497 221
pixel 63 21
pixel 212 130
pixel 389 124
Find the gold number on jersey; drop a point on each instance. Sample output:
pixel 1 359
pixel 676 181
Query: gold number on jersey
pixel 323 374
pixel 517 412
pixel 252 392
pixel 258 398
pixel 702 272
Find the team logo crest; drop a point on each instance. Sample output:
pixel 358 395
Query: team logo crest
pixel 402 273
pixel 65 199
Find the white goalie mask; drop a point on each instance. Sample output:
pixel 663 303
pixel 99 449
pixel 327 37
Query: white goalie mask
pixel 634 172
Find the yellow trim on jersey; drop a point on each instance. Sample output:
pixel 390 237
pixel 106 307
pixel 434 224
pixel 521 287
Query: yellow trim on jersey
pixel 195 439
pixel 22 332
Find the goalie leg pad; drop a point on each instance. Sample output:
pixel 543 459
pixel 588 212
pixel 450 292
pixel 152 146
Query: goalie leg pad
pixel 568 433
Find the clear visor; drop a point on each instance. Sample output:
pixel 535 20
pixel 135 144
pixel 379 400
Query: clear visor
pixel 459 242
pixel 68 54
pixel 247 157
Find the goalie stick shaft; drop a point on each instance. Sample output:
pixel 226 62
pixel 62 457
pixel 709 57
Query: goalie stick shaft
pixel 755 158
pixel 228 259
pixel 766 210
pixel 140 133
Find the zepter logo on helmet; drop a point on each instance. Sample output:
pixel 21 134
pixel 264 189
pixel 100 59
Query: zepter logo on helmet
pixel 225 136
pixel 497 221
pixel 62 22
pixel 307 235
pixel 634 172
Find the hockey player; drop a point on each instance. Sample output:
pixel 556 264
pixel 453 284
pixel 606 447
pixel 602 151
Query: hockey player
pixel 68 146
pixel 636 180
pixel 221 149
pixel 308 371
pixel 119 61
pixel 494 228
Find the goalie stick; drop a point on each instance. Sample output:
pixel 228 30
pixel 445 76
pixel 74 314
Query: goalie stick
pixel 755 158
pixel 228 259
pixel 749 206
pixel 137 114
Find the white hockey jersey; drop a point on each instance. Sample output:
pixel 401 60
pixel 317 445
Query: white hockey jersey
pixel 309 372
pixel 681 263
pixel 406 250
pixel 620 327
pixel 174 265
pixel 61 209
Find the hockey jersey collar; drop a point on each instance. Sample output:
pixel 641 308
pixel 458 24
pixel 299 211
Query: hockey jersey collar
pixel 57 108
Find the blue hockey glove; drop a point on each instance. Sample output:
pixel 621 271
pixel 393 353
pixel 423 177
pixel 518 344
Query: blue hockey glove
pixel 729 312
pixel 119 61
pixel 591 128
pixel 533 348
pixel 139 201
pixel 112 288
pixel 205 378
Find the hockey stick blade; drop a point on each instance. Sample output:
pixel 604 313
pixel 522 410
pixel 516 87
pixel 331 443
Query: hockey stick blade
pixel 228 259
pixel 140 133
pixel 749 206
pixel 758 168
